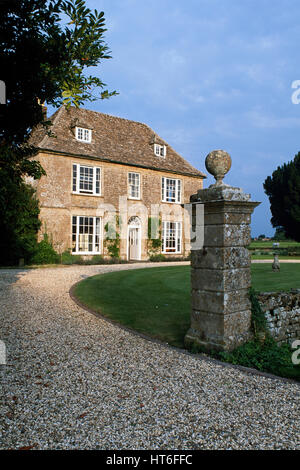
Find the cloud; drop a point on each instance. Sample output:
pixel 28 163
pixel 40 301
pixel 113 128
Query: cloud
pixel 268 121
pixel 171 58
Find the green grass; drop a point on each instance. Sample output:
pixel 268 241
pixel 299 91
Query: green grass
pixel 269 244
pixel 265 280
pixel 271 256
pixel 156 301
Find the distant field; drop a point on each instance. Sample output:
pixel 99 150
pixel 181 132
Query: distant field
pixel 283 244
pixel 287 249
pixel 271 256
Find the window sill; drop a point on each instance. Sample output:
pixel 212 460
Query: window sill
pixel 171 202
pixel 86 194
pixel 86 253
pixel 134 198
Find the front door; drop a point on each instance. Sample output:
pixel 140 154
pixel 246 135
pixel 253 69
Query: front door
pixel 134 243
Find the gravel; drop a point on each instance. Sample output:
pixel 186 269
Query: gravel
pixel 75 381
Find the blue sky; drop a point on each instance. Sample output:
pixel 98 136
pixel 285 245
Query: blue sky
pixel 209 74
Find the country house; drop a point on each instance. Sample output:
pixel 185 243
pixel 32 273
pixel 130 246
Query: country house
pixel 109 177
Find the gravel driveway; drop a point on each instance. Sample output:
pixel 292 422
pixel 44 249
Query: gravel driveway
pixel 73 380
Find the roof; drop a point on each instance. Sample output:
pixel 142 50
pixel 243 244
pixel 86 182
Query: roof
pixel 114 139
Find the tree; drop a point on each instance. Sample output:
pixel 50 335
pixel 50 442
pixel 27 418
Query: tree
pixel 280 234
pixel 283 189
pixel 40 61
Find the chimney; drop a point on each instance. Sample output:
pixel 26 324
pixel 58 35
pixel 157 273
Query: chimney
pixel 44 111
pixel 44 108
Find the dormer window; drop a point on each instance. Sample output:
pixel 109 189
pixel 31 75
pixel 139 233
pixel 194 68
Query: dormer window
pixel 83 135
pixel 160 150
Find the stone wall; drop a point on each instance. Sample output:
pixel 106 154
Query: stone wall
pixel 282 311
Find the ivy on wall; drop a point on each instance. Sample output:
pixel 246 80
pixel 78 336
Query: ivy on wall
pixel 154 228
pixel 112 237
pixel 258 319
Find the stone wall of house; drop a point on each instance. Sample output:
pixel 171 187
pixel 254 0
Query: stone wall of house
pixel 58 204
pixel 282 311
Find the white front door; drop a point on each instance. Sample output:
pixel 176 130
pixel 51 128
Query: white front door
pixel 134 243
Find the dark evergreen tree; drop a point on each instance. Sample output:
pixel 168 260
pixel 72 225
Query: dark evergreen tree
pixel 39 62
pixel 283 189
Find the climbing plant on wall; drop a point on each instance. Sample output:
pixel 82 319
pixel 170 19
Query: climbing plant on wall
pixel 112 237
pixel 154 229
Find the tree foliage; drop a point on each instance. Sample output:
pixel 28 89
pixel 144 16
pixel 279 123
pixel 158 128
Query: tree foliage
pixel 283 190
pixel 85 48
pixel 40 61
pixel 280 234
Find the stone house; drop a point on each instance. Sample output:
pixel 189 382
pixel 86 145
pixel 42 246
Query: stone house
pixel 108 177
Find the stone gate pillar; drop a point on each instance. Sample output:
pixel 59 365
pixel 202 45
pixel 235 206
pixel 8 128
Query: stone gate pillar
pixel 221 276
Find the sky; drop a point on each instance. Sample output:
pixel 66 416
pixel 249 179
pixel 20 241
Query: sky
pixel 206 75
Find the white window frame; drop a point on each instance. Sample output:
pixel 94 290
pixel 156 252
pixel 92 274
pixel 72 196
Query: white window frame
pixel 94 251
pixel 178 190
pixel 178 237
pixel 97 177
pixel 160 150
pixel 130 186
pixel 83 135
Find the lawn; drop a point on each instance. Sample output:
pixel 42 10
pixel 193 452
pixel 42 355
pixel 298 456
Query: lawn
pixel 265 280
pixel 288 249
pixel 270 256
pixel 156 301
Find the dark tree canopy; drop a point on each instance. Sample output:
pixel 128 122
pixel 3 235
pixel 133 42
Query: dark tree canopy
pixel 40 61
pixel 280 234
pixel 283 189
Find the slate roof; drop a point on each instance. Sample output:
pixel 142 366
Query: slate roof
pixel 113 139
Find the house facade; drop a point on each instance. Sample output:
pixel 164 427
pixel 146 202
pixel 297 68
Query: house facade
pixel 112 187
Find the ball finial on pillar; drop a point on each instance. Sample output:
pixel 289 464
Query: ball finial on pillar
pixel 218 163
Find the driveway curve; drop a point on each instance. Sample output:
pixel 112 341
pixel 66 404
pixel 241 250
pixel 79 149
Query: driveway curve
pixel 74 381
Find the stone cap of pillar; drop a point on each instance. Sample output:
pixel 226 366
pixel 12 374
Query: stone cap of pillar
pixel 218 163
pixel 221 193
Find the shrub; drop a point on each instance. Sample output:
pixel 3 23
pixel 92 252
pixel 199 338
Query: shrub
pixel 97 259
pixel 268 357
pixel 160 258
pixel 77 259
pixel 45 253
pixel 67 257
pixel 116 260
pixel 157 258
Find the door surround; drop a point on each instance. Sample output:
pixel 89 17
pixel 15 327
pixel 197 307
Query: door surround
pixel 134 223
